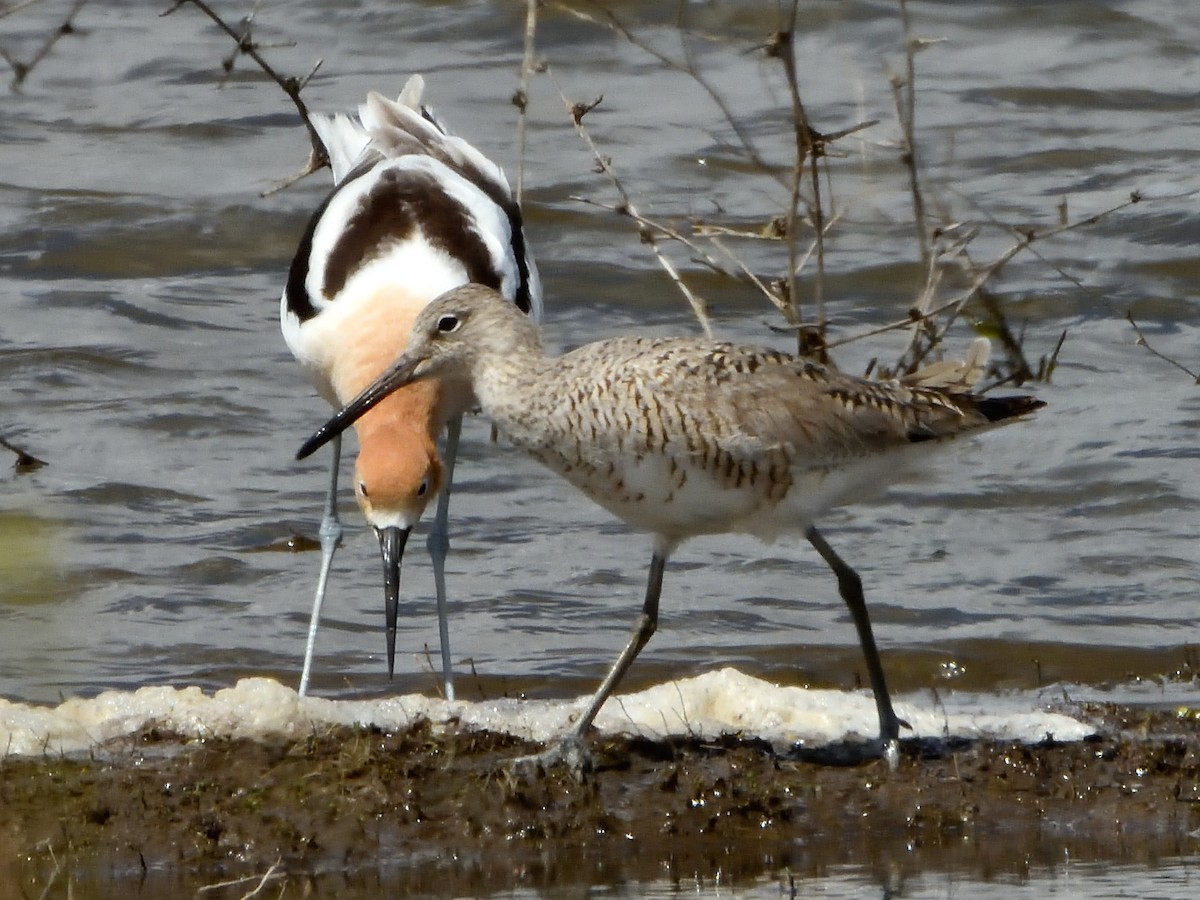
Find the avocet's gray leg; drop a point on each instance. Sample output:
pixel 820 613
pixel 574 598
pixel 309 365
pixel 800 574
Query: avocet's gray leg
pixel 331 536
pixel 439 547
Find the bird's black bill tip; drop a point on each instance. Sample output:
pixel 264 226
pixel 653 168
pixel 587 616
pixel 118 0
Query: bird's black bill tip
pixel 341 420
pixel 320 438
pixel 391 548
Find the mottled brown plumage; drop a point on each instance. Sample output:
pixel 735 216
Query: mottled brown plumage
pixel 682 437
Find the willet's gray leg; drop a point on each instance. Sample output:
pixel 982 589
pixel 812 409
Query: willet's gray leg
pixel 850 587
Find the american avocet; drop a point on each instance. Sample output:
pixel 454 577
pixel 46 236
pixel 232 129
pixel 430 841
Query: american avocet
pixel 683 437
pixel 414 212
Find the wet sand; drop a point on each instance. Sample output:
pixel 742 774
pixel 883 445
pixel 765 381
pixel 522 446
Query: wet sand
pixel 436 811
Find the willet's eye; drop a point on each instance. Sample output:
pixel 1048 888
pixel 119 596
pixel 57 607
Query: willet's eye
pixel 448 324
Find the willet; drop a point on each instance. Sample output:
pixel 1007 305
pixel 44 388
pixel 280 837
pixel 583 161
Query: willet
pixel 415 212
pixel 684 437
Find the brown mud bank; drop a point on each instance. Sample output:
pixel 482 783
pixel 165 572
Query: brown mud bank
pixel 355 812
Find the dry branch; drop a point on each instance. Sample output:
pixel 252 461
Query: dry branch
pixel 21 70
pixel 607 18
pixel 808 204
pixel 17 7
pixel 1142 342
pixel 904 93
pixel 576 112
pixel 521 97
pixel 290 84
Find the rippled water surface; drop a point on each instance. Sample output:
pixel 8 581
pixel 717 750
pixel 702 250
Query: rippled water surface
pixel 140 270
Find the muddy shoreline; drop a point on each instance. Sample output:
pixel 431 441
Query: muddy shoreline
pixel 430 810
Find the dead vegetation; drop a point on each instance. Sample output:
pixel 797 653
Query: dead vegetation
pixel 956 289
pixel 65 27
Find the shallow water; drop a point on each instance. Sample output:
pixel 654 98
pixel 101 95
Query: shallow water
pixel 140 349
pixel 1167 879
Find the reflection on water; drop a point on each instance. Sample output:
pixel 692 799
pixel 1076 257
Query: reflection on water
pixel 908 874
pixel 141 357
pixel 1067 880
pixel 32 561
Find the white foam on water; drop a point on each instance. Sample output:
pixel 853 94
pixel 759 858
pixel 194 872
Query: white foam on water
pixel 707 706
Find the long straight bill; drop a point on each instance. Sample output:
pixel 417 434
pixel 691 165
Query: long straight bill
pixel 391 547
pixel 400 374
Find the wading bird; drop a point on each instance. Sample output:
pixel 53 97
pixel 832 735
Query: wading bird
pixel 414 212
pixel 684 437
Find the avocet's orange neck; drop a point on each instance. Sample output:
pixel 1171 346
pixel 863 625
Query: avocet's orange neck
pixel 370 340
pixel 398 469
pixel 370 333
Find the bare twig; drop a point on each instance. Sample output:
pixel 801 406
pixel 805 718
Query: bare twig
pixel 58 868
pixel 20 69
pixel 1026 239
pixel 1142 342
pixel 981 275
pixel 271 873
pixel 521 97
pixel 1049 364
pixel 700 254
pixel 292 86
pixel 17 7
pixel 904 92
pixel 781 47
pixel 609 19
pixel 577 111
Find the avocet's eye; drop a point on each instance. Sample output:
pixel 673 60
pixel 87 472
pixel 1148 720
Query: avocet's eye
pixel 448 324
pixel 423 488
